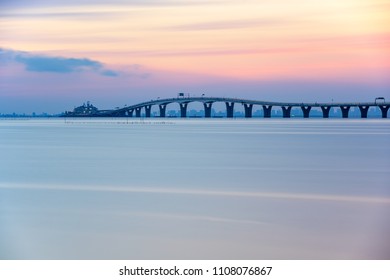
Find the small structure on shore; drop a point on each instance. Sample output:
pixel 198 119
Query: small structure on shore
pixel 83 110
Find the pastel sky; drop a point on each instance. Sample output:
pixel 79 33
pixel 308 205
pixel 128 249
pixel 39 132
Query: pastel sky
pixel 57 54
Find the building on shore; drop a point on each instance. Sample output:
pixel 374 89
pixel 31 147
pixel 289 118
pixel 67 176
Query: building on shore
pixel 87 109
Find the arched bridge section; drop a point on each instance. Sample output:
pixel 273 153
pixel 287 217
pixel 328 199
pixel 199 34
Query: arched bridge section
pixel 135 110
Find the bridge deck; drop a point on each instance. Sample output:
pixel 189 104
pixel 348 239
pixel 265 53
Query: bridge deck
pixel 248 101
pixel 209 100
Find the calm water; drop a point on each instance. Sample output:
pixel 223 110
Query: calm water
pixel 194 189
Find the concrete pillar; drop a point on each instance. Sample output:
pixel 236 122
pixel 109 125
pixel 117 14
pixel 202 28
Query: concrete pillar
pixel 129 113
pixel 162 110
pixel 325 111
pixel 286 111
pixel 384 109
pixel 267 111
pixel 207 109
pixel 229 109
pixel 248 110
pixel 306 111
pixel 183 109
pixel 364 111
pixel 148 108
pixel 138 112
pixel 345 111
pixel 120 114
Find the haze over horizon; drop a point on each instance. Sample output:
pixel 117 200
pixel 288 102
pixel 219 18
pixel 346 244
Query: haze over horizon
pixel 55 55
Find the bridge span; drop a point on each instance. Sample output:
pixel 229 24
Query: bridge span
pixel 266 106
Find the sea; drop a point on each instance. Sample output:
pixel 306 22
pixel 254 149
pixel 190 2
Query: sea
pixel 117 188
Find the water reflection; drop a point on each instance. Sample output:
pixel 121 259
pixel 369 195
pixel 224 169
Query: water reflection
pixel 189 189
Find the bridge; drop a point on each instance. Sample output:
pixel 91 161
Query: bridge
pixel 266 106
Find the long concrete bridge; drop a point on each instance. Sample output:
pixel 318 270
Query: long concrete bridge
pixel 146 107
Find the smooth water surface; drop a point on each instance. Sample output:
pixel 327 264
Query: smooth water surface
pixel 194 189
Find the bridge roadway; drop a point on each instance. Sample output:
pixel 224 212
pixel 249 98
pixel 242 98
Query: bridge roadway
pixel 128 111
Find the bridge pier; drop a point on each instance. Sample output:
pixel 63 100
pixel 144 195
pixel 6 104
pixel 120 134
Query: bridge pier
pixel 306 111
pixel 286 111
pixel 286 107
pixel 384 109
pixel 183 109
pixel 138 112
pixel 344 111
pixel 229 109
pixel 129 113
pixel 267 111
pixel 120 114
pixel 162 110
pixel 207 109
pixel 148 108
pixel 364 111
pixel 325 111
pixel 248 110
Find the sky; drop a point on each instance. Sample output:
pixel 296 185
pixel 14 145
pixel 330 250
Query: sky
pixel 55 55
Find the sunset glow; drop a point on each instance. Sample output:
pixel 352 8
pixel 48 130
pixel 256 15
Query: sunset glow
pixel 186 45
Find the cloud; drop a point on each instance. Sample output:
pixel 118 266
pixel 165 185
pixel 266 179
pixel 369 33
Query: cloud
pixel 50 8
pixel 109 73
pixel 233 24
pixel 41 63
pixel 43 3
pixel 215 51
pixel 56 15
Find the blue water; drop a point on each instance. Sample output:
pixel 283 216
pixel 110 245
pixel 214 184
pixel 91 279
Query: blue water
pixel 194 189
